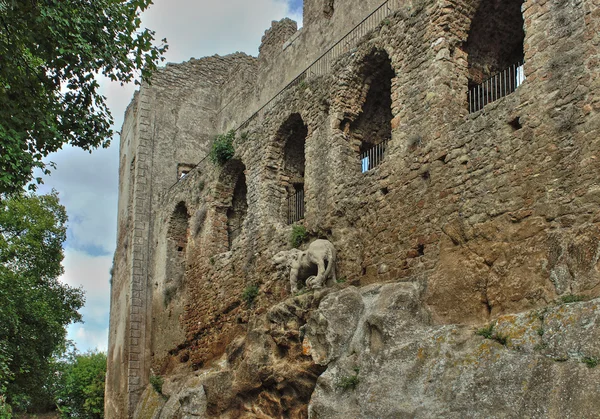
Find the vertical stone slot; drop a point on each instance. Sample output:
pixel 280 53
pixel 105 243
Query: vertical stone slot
pixel 373 127
pixel 495 40
pixel 236 214
pixel 177 239
pixel 328 8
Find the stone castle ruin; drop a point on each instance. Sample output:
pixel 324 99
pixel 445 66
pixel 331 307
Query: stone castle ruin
pixel 447 149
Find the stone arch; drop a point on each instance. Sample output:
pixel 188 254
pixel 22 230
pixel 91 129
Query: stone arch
pixel 177 241
pixel 233 208
pixel 372 127
pixel 291 142
pixel 495 40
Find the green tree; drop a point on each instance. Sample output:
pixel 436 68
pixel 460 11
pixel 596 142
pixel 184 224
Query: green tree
pixel 36 307
pixel 50 53
pixel 80 392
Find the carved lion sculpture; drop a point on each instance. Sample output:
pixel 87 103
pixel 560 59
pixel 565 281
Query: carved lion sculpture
pixel 319 258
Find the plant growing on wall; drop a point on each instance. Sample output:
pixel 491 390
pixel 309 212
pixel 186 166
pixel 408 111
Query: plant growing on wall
pixel 222 149
pixel 298 236
pixel 249 295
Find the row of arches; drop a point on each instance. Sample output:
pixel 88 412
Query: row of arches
pixel 495 41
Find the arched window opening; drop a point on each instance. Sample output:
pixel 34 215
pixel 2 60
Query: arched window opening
pixel 236 213
pixel 183 169
pixel 495 51
pixel 177 240
pixel 371 131
pixel 293 133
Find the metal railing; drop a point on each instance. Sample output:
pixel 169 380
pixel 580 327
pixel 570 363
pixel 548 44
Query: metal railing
pixel 372 157
pixel 496 87
pixel 295 204
pixel 324 63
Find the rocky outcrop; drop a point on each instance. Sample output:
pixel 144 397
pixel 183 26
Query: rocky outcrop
pixel 373 352
pixel 385 359
pixel 265 374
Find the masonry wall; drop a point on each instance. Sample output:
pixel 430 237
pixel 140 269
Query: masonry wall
pixel 486 214
pixel 169 124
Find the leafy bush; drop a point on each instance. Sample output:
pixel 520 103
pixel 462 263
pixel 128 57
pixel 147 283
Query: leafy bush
pixel 5 409
pixel 35 307
pixel 487 332
pixel 222 149
pixel 80 394
pixel 349 382
pixel 298 236
pixel 591 362
pixel 156 381
pixel 249 295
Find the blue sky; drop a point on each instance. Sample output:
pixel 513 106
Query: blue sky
pixel 296 6
pixel 87 183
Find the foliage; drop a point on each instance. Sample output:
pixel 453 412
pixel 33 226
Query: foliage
pixel 50 53
pixel 298 236
pixel 156 381
pixel 5 409
pixel 222 149
pixel 80 393
pixel 350 382
pixel 35 306
pixel 301 292
pixel 249 295
pixel 591 362
pixel 489 333
pixel 571 298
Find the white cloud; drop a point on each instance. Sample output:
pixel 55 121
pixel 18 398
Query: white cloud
pixel 88 340
pixel 199 28
pixel 91 273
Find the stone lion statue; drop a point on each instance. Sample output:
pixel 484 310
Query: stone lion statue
pixel 315 265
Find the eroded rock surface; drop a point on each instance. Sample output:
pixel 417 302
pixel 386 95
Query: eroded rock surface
pixel 386 360
pixel 264 374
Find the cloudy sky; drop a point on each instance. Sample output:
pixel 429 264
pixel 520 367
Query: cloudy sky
pixel 87 183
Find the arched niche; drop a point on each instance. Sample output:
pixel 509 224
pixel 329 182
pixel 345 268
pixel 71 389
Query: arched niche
pixel 234 206
pixel 372 129
pixel 291 138
pixel 177 241
pixel 495 40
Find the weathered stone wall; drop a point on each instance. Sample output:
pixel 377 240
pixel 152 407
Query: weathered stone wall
pixel 482 215
pixel 170 123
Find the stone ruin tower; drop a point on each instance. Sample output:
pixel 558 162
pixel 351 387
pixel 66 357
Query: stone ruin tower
pixel 449 149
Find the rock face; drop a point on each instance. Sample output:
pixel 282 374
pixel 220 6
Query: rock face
pixel 446 216
pixel 385 359
pixel 266 373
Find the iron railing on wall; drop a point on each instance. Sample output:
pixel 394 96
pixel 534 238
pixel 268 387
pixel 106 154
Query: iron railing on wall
pixel 324 63
pixel 295 204
pixel 372 157
pixel 496 87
